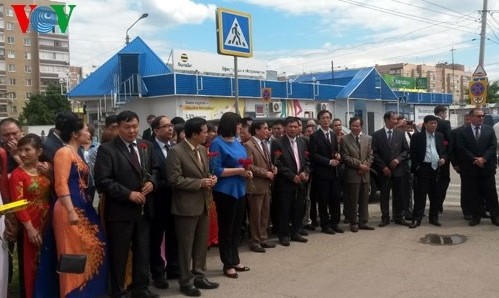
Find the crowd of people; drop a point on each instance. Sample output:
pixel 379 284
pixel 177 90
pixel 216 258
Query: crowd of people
pixel 185 186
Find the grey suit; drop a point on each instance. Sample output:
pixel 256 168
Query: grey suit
pixel 190 207
pixel 356 185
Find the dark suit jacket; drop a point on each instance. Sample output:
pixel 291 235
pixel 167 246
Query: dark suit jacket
pixel 353 157
pixel 163 193
pixel 261 165
pixel 321 152
pixel 51 145
pixel 148 135
pixel 467 148
pixel 116 177
pixel 185 174
pixel 443 127
pixel 418 148
pixel 286 165
pixel 384 153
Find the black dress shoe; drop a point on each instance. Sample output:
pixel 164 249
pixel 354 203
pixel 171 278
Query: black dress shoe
pixel 267 244
pixel 284 241
pixel 328 230
pixel 299 238
pixel 257 248
pixel 309 227
pixel 366 227
pixel 203 283
pixel 145 293
pixel 160 283
pixel 384 223
pixel 190 290
pixel 303 232
pixel 415 224
pixel 495 221
pixel 231 275
pixel 401 222
pixel 242 269
pixel 473 222
pixel 435 222
pixel 337 229
pixel 467 217
pixel 354 228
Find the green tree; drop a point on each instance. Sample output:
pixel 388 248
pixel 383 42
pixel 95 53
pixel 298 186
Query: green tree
pixel 42 108
pixel 493 92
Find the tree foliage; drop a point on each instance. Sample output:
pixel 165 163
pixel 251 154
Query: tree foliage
pixel 493 92
pixel 42 108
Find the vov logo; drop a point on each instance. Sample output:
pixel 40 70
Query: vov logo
pixel 43 18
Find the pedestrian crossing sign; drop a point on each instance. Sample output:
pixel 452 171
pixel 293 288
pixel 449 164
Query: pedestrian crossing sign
pixel 234 33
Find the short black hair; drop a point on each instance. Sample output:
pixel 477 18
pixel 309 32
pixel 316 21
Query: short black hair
pixel 155 123
pixel 472 111
pixel 353 119
pixel 62 117
pixel 429 118
pixel 291 119
pixel 336 119
pixel 439 108
pixel 177 120
pixel 111 119
pixel 32 139
pixel 10 120
pixel 324 112
pixel 256 125
pixel 72 125
pixel 388 115
pixel 245 120
pixel 127 116
pixel 278 122
pixel 149 117
pixel 194 125
pixel 228 124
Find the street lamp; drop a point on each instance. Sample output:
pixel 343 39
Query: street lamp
pixel 143 16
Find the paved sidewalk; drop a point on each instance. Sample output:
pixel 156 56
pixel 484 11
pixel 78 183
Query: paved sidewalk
pixel 388 262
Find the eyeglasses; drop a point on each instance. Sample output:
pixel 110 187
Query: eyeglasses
pixel 480 116
pixel 166 125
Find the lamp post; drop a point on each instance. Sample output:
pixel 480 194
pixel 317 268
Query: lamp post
pixel 143 16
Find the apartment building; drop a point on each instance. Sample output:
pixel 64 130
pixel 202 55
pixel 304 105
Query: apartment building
pixel 29 61
pixel 441 78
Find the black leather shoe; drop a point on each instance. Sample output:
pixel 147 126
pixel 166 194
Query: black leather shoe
pixel 299 238
pixel 384 223
pixel 190 290
pixel 309 227
pixel 242 269
pixel 495 221
pixel 231 275
pixel 328 230
pixel 257 248
pixel 473 222
pixel 401 222
pixel 366 227
pixel 337 229
pixel 435 222
pixel 267 244
pixel 203 283
pixel 354 228
pixel 284 241
pixel 145 293
pixel 160 283
pixel 303 232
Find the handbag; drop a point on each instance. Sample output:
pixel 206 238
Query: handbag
pixel 72 263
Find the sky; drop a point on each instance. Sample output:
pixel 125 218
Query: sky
pixel 296 36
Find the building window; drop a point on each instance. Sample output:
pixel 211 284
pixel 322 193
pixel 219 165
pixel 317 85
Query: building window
pixel 2 37
pixel 11 54
pixel 12 68
pixel 12 95
pixel 27 68
pixel 12 81
pixel 27 55
pixel 9 26
pixel 28 95
pixel 14 109
pixel 3 108
pixel 11 40
pixel 10 12
pixel 2 66
pixel 28 82
pixel 27 42
pixel 2 52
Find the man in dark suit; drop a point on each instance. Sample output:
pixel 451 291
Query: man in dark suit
pixel 162 224
pixel 292 174
pixel 357 156
pixel 148 133
pixel 125 172
pixel 444 128
pixel 325 160
pixel 259 197
pixel 188 172
pixel 476 151
pixel 427 157
pixel 391 152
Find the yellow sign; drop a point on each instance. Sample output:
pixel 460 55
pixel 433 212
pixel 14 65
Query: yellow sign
pixel 478 92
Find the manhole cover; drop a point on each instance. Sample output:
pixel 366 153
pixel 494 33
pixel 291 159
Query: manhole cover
pixel 436 239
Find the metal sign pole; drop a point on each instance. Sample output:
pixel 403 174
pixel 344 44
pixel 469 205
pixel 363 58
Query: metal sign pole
pixel 236 86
